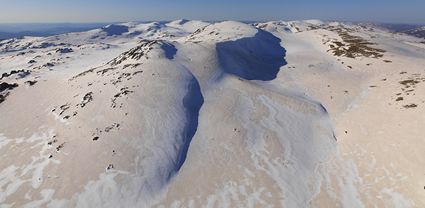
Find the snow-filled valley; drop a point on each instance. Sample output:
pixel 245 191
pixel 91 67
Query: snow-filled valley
pixel 227 114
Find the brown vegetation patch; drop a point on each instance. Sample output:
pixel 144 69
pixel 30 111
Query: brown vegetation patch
pixel 353 46
pixel 409 86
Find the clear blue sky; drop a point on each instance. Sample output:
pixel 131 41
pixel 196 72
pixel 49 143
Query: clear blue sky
pixel 402 11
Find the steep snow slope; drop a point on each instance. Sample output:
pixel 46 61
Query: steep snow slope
pixel 192 114
pixel 371 109
pixel 264 152
pixel 151 97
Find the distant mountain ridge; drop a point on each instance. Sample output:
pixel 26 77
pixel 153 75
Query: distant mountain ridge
pixel 20 30
pixel 417 32
pixel 409 29
pixel 8 31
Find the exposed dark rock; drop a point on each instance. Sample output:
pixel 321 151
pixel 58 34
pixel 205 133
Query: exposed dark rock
pixel 113 126
pixel 110 166
pixel 135 53
pixel 82 74
pixel 3 97
pixel 86 99
pixel 20 73
pixel 123 91
pixel 409 82
pixel 63 108
pixel 51 142
pixel 137 72
pixel 48 65
pixel 410 106
pixel 31 82
pixel 399 99
pixel 6 86
pixel 43 45
pixel 58 148
pixel 103 71
pixel 64 50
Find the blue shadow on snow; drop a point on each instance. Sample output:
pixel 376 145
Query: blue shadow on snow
pixel 253 58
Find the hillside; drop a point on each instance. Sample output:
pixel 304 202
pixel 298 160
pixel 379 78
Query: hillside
pixel 196 114
pixel 417 32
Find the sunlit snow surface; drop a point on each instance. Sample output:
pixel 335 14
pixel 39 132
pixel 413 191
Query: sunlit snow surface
pixel 178 114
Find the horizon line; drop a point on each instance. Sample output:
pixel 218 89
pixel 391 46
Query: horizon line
pixel 212 21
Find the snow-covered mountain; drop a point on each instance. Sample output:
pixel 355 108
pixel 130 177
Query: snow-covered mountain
pixel 228 114
pixel 417 32
pixel 413 30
